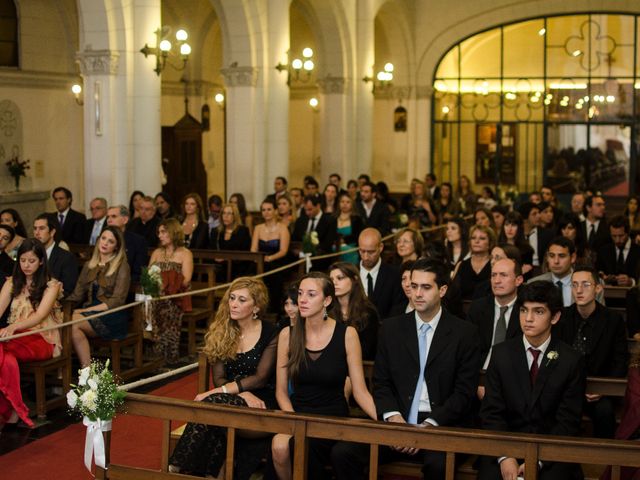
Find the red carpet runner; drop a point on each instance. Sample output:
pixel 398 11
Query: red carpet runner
pixel 135 441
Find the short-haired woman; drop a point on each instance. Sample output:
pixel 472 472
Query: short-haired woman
pixel 176 268
pixel 475 271
pixel 103 285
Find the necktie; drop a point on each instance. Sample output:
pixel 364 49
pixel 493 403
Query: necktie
pixel 592 235
pixel 61 219
pixel 533 371
pixel 312 225
pixel 501 327
pixel 620 262
pixel 369 285
pixel 580 341
pixel 559 287
pixel 422 350
pixel 95 233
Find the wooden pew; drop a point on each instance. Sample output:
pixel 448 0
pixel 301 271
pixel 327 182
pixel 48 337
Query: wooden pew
pixel 57 369
pixel 230 256
pixel 532 448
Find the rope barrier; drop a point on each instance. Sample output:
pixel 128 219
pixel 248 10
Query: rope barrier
pixel 161 376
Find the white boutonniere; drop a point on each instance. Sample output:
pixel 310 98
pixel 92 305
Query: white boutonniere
pixel 551 356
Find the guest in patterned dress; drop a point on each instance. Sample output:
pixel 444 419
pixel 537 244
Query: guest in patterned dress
pixel 33 298
pixel 176 266
pixel 103 285
pixel 242 348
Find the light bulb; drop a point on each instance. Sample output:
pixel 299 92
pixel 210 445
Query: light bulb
pixel 219 98
pixel 542 31
pixel 307 53
pixel 388 67
pixel 296 64
pixel 165 45
pixel 313 102
pixel 76 89
pixel 445 110
pixel 308 65
pixel 185 49
pixel 181 35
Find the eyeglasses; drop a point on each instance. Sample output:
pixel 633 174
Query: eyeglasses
pixel 583 285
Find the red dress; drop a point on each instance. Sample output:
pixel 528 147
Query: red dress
pixel 42 346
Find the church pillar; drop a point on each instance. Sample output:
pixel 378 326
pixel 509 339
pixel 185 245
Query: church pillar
pixel 146 122
pixel 333 127
pixel 104 168
pixel 277 91
pixel 245 172
pixel 421 163
pixel 364 98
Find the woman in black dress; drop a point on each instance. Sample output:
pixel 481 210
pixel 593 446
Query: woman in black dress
pixel 242 349
pixel 512 232
pixel 317 355
pixel 476 270
pixel 231 234
pixel 357 310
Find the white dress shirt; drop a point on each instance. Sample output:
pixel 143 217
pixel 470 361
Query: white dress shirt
pixel 374 275
pixel 496 316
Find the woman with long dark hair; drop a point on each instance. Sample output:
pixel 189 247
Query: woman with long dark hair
pixel 242 348
pixel 330 199
pixel 134 203
pixel 11 217
pixel 103 285
pixel 241 203
pixel 357 310
pixel 569 226
pixel 457 240
pixel 194 225
pixel 512 233
pixel 33 298
pixel 349 224
pixel 317 356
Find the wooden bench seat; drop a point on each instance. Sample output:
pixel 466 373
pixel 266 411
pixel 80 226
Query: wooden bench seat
pixel 204 276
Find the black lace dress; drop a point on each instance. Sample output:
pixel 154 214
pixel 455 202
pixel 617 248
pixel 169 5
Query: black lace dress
pixel 201 449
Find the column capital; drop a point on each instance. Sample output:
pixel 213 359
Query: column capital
pixel 97 62
pixel 331 85
pixel 235 76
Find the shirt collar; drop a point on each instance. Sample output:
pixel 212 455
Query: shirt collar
pixel 542 348
pixel 65 212
pixel 566 280
pixel 50 249
pixel 433 323
pixel 374 271
pixel 508 305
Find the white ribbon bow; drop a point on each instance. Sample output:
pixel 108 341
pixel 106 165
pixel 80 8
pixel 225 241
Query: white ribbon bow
pixel 141 297
pixel 94 442
pixel 307 257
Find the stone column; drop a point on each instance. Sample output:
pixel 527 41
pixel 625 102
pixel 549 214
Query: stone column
pixel 244 171
pixel 365 46
pixel 333 147
pixel 277 93
pixel 420 163
pixel 145 101
pixel 101 159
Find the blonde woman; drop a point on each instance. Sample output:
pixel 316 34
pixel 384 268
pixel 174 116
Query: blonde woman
pixel 231 234
pixel 286 212
pixel 103 284
pixel 242 348
pixel 176 267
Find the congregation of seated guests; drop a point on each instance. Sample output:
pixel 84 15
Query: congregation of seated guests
pixel 448 272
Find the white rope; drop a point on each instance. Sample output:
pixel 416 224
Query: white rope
pixel 161 376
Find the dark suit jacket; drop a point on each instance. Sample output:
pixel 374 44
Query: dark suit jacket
pixel 607 350
pixel 545 235
pixel 88 229
pixel 63 267
pixel 481 313
pixel 137 253
pixel 326 229
pixel 379 217
pixel 607 260
pixel 73 230
pixel 148 230
pixel 240 239
pixel 603 236
pixel 387 291
pixel 553 406
pixel 451 371
pixel 199 237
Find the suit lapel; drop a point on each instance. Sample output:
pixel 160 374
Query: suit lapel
pixel 439 341
pixel 521 367
pixel 547 366
pixel 410 336
pixel 487 320
pixel 597 326
pixel 513 329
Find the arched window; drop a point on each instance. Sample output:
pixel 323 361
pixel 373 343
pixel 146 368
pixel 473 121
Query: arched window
pixel 553 100
pixel 8 34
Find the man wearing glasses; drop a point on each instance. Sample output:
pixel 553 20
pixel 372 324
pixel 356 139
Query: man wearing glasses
pixel 599 335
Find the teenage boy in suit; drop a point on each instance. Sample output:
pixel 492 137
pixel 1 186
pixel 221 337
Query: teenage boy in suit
pixel 535 383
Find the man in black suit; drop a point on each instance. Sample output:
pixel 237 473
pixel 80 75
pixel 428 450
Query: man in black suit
pixel 426 373
pixel 618 261
pixel 374 212
pixel 497 316
pixel 538 237
pixel 62 264
pixel 72 223
pixel 598 334
pixel 314 220
pixel 594 228
pixel 534 384
pixel 381 281
pixel 431 187
pixel 135 245
pixel 146 225
pixel 98 221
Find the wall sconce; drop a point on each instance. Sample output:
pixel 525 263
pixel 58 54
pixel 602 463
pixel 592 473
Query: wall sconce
pixel 76 89
pixel 383 78
pixel 313 103
pixel 298 66
pixel 163 49
pixel 219 99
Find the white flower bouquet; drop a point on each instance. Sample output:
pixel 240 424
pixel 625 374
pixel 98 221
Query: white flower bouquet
pixel 151 281
pixel 310 243
pixel 96 396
